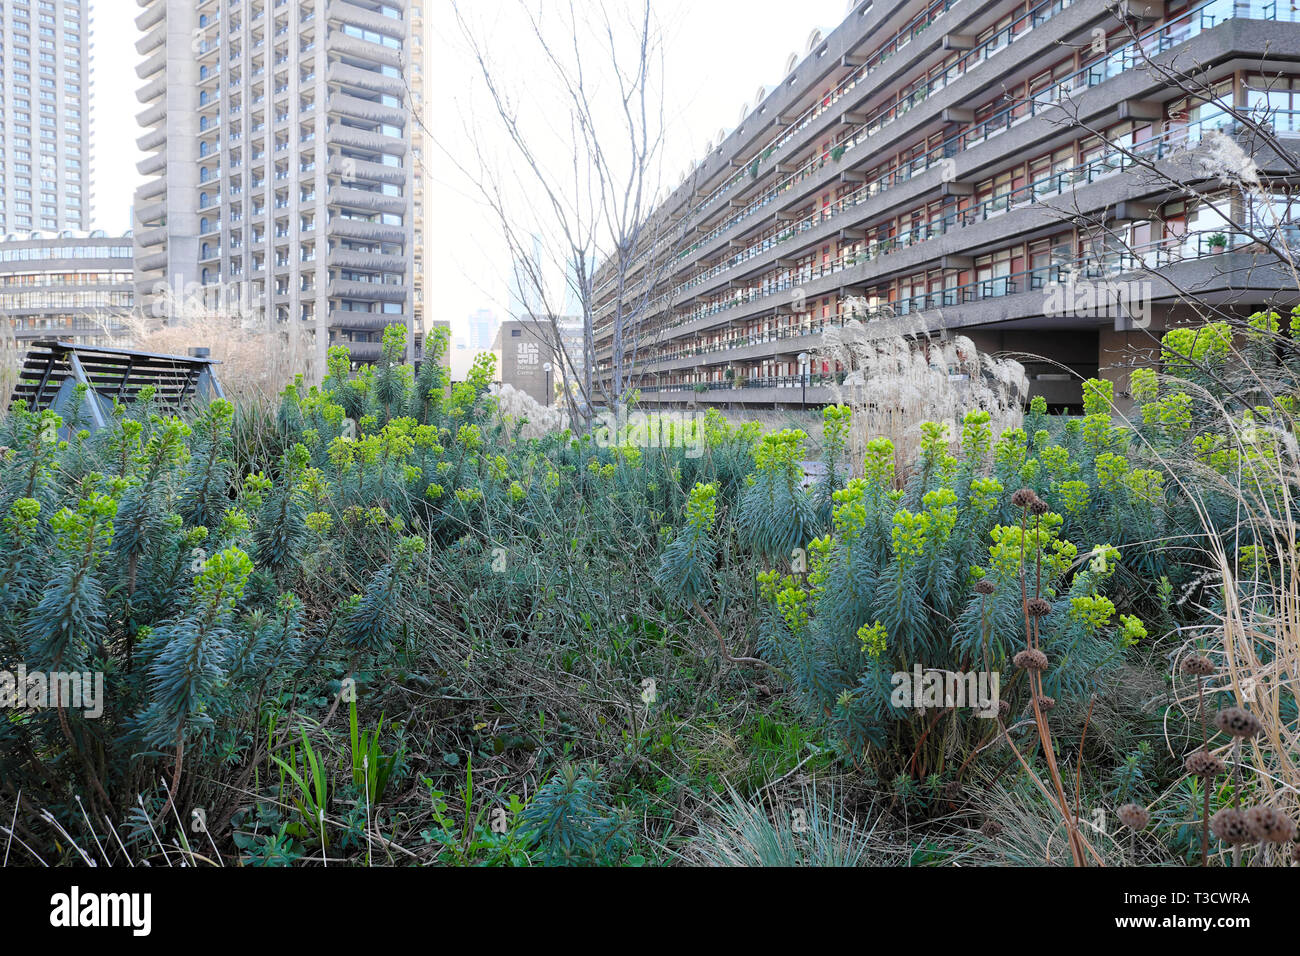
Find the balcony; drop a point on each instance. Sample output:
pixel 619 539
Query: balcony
pixel 156 36
pixel 153 115
pixel 356 48
pixel 341 11
pixel 152 90
pixel 367 291
pixel 342 104
pixel 359 170
pixel 367 261
pixel 157 136
pixel 152 263
pixel 368 231
pixel 151 214
pixel 340 135
pixel 368 201
pixel 365 321
pixel 152 64
pixel 345 75
pixel 147 238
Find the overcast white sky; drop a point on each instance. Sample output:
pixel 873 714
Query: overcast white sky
pixel 717 54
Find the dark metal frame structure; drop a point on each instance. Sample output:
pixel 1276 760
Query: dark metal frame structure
pixel 52 370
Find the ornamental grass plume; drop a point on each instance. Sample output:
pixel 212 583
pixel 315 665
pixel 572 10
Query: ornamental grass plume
pixel 1231 458
pixel 895 379
pixel 535 419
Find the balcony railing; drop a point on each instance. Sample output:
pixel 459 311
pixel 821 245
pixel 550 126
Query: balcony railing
pixel 1159 40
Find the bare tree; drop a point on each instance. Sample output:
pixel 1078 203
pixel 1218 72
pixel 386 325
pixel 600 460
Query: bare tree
pixel 582 209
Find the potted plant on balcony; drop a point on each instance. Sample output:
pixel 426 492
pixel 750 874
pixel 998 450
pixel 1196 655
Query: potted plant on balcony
pixel 701 388
pixel 837 153
pixel 1217 242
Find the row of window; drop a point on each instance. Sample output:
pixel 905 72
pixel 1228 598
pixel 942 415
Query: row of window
pixel 32 301
pixel 36 253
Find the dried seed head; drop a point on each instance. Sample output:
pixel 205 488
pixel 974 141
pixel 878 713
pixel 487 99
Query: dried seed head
pixel 1202 763
pixel 1037 607
pixel 1230 826
pixel 1133 816
pixel 1269 825
pixel 1046 703
pixel 1237 722
pixel 1023 498
pixel 1198 666
pixel 953 791
pixel 1003 709
pixel 1038 507
pixel 984 586
pixel 1030 660
pixel 991 828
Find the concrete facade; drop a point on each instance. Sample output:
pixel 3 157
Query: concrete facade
pixel 74 287
pixel 953 167
pixel 45 128
pixel 284 166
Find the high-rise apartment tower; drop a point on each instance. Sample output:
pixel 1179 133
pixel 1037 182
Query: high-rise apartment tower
pixel 45 80
pixel 284 166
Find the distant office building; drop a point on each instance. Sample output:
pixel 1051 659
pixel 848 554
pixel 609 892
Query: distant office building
pixel 45 83
pixel 525 276
pixel 572 292
pixel 74 287
pixel 530 362
pixel 483 328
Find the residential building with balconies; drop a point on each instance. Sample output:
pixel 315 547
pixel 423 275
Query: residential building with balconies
pixel 957 167
pixel 45 129
pixel 284 166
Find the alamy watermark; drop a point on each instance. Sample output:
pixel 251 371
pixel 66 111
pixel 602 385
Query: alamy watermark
pixel 928 688
pixel 185 301
pixel 1106 298
pixel 37 690
pixel 624 429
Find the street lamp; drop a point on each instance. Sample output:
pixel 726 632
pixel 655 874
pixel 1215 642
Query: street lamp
pixel 547 369
pixel 803 378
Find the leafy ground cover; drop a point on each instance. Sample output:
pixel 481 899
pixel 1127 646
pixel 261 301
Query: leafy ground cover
pixel 377 624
